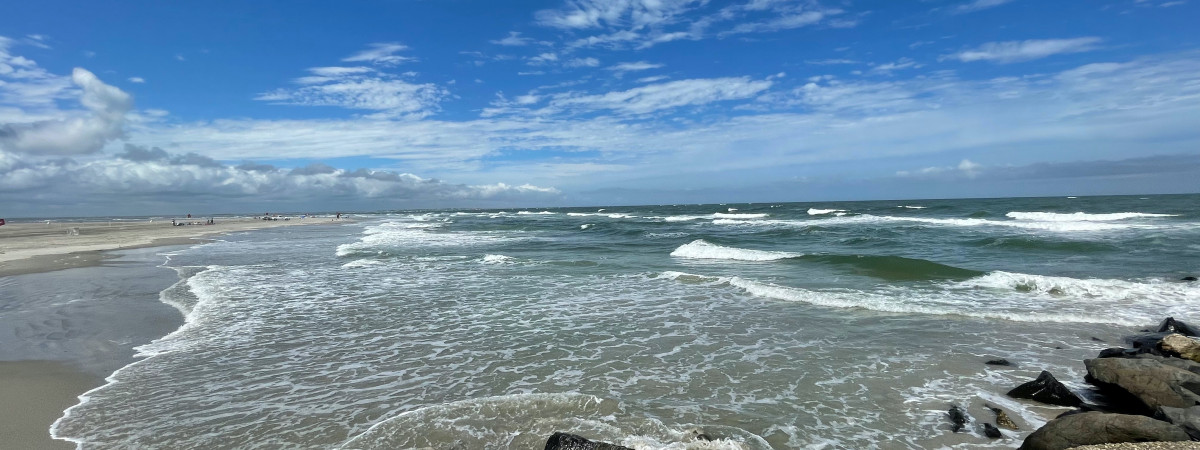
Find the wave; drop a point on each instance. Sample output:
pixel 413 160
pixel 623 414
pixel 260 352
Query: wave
pixel 392 236
pixel 911 207
pixel 995 295
pixel 527 420
pixel 586 226
pixel 820 212
pixel 540 213
pixel 701 249
pixel 1080 216
pixel 738 216
pixel 496 259
pixel 895 268
pixel 608 215
pixel 1030 243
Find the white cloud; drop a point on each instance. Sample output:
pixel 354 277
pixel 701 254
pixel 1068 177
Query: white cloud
pixel 513 39
pixel 634 66
pixel 138 80
pixel 583 14
pixel 363 88
pixel 652 79
pixel 141 174
pixel 543 58
pixel 902 63
pixel 54 132
pixel 976 5
pixel 582 62
pixel 656 97
pixel 1017 51
pixel 965 168
pixel 381 53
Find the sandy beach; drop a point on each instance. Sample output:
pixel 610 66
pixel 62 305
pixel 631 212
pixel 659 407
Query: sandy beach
pixel 63 349
pixel 41 246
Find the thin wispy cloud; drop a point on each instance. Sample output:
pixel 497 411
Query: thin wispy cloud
pixel 977 5
pixel 381 53
pixel 1018 51
pixel 137 80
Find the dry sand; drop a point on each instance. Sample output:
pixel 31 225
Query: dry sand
pixel 41 247
pixel 35 393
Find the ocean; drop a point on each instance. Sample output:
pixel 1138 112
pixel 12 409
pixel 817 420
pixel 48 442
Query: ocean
pixel 766 325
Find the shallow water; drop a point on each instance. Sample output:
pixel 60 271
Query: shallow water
pixel 805 325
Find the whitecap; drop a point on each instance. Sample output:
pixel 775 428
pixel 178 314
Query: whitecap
pixel 701 249
pixel 818 212
pixel 1080 216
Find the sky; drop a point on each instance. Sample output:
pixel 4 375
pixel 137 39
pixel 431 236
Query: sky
pixel 150 107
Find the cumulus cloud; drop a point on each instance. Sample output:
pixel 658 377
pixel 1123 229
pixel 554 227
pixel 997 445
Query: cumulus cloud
pixel 72 132
pixel 381 53
pixel 1018 51
pixel 149 174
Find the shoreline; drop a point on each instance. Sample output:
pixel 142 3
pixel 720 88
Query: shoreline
pixel 46 386
pixel 27 248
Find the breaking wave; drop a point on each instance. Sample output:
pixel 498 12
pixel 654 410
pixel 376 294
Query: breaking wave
pixel 701 249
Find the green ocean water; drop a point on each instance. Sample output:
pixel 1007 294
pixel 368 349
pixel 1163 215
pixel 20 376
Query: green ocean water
pixel 768 325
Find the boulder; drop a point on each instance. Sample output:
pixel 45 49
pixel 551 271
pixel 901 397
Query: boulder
pixel 1188 278
pixel 999 362
pixel 1143 384
pixel 1187 418
pixel 1002 418
pixel 958 417
pixel 1046 389
pixel 1147 342
pixel 991 431
pixel 564 441
pixel 1170 325
pixel 1099 428
pixel 1118 352
pixel 1181 346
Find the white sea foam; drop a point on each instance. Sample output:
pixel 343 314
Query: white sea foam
pixel 389 236
pixel 731 209
pixel 818 212
pixel 738 216
pixel 996 295
pixel 539 213
pixel 608 215
pixel 496 259
pixel 586 226
pixel 911 207
pixel 1080 216
pixel 701 249
pixel 360 263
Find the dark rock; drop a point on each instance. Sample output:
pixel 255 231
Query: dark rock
pixel 1187 418
pixel 1148 341
pixel 1002 418
pixel 991 431
pixel 1170 325
pixel 1099 428
pixel 1178 363
pixel 698 434
pixel 1057 347
pixel 958 417
pixel 1188 278
pixel 1118 352
pixel 1143 384
pixel 1083 409
pixel 1097 339
pixel 1046 389
pixel 564 441
pixel 999 362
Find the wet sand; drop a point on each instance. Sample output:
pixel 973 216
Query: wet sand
pixel 34 395
pixel 65 330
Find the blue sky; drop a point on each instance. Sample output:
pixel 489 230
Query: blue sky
pixel 139 107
